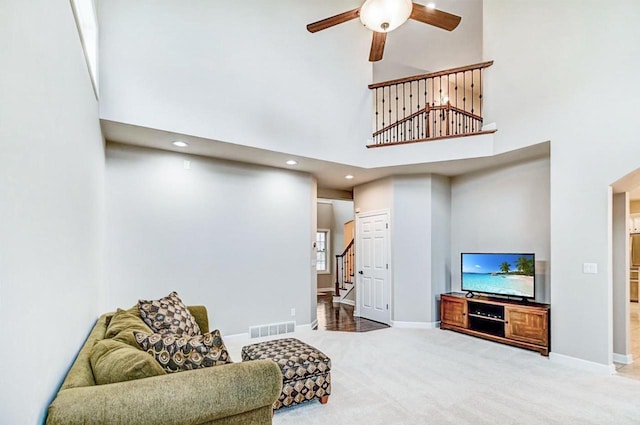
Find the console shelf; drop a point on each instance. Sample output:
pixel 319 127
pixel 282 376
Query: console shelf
pixel 521 324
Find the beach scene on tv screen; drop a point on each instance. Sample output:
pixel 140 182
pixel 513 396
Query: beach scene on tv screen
pixel 505 274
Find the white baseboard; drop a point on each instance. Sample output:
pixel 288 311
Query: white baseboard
pixel 623 358
pixel 236 338
pixel 348 302
pixel 581 364
pixel 244 337
pixel 414 325
pixel 308 327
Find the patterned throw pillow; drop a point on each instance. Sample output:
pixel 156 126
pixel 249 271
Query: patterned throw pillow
pixel 168 315
pixel 176 353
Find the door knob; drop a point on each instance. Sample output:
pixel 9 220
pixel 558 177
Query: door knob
pixel 360 272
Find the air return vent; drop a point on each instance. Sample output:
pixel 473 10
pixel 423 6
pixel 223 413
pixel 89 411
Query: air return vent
pixel 272 329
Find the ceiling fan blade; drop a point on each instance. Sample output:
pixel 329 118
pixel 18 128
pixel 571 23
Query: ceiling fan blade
pixel 334 20
pixel 377 46
pixel 435 17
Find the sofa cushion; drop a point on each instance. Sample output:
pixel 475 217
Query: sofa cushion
pixel 176 353
pixel 122 325
pixel 115 361
pixel 168 315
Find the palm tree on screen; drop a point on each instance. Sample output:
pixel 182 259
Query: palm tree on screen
pixel 525 266
pixel 504 267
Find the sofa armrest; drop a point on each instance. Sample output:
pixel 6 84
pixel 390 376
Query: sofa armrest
pixel 199 313
pixel 192 397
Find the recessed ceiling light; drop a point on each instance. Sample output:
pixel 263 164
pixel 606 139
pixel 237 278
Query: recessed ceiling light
pixel 431 5
pixel 348 177
pixel 292 162
pixel 180 144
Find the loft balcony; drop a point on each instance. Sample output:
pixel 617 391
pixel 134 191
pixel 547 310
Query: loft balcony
pixel 428 107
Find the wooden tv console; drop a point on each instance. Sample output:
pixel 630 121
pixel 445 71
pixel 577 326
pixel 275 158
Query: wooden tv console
pixel 522 324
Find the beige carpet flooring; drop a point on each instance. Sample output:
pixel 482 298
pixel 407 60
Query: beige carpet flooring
pixel 403 376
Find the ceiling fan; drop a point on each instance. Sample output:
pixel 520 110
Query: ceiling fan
pixel 382 16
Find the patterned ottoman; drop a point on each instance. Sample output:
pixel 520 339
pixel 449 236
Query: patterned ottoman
pixel 305 370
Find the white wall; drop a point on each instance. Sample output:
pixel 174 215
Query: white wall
pixel 411 248
pixel 434 218
pixel 233 237
pixel 440 241
pixel 51 203
pixel 505 209
pixel 251 74
pixel 373 196
pixel 342 213
pixel 551 59
pixel 213 67
pixel 420 249
pixel 420 246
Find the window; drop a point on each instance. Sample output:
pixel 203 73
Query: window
pixel 85 14
pixel 322 251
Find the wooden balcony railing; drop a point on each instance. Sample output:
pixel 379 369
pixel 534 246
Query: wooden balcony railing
pixel 429 106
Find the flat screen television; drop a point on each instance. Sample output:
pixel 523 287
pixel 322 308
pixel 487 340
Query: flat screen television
pixel 510 274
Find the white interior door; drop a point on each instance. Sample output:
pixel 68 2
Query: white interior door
pixel 374 286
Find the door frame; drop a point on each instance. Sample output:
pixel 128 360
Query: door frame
pixel 358 218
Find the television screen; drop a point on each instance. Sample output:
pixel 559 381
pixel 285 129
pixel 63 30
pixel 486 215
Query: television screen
pixel 501 274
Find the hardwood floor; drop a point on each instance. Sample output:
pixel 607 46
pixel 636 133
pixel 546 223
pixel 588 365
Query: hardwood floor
pixel 339 317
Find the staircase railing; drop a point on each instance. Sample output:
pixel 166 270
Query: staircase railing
pixel 345 264
pixel 429 106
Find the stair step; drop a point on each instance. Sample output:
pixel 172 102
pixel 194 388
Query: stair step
pixel 348 287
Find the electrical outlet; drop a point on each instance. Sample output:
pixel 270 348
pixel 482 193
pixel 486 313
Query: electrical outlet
pixel 293 312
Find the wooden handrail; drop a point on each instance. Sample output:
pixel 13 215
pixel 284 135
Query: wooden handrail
pixel 346 253
pixel 347 248
pixel 463 112
pixel 426 109
pixel 397 123
pixel 480 65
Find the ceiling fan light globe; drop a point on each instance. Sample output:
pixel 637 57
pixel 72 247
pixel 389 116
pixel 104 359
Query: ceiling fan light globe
pixel 385 15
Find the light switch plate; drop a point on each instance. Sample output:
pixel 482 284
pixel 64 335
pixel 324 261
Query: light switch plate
pixel 590 268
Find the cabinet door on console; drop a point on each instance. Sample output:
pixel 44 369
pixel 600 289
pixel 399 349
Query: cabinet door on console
pixel 527 324
pixel 453 311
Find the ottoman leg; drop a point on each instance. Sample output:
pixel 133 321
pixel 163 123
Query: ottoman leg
pixel 324 399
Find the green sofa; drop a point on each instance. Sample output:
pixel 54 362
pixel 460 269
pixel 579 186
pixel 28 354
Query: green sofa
pixel 237 393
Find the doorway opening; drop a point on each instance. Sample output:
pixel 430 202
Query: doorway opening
pixel 625 213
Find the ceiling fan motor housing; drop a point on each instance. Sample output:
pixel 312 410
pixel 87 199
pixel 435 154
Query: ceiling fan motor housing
pixel 385 15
